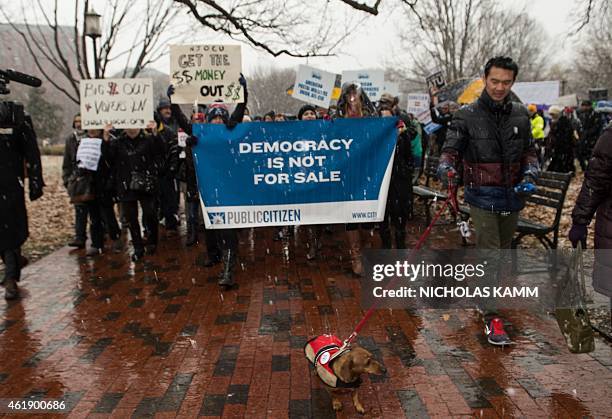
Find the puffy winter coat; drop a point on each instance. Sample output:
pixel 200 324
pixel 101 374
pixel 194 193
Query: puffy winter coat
pixel 495 145
pixel 596 197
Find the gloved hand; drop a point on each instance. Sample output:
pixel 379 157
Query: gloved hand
pixel 231 124
pixel 170 91
pixel 192 141
pixel 242 81
pixel 578 233
pixel 448 175
pixel 36 191
pixel 525 188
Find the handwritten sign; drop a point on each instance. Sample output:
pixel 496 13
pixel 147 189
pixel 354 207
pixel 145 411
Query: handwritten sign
pixel 372 81
pixel 314 86
pixel 418 105
pixel 124 103
pixel 206 73
pixel 88 153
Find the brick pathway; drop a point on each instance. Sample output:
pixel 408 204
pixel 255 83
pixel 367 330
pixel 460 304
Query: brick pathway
pixel 123 340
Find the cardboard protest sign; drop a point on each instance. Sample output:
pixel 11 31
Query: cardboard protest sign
pixel 314 86
pixel 372 81
pixel 418 105
pixel 123 103
pixel 206 73
pixel 88 153
pixel 435 81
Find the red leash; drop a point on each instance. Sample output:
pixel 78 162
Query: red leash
pixel 452 199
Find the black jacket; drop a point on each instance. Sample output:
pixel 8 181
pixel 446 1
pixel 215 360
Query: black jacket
pixel 19 154
pixel 69 164
pixel 560 142
pixel 591 126
pixel 143 155
pixel 494 143
pixel 596 197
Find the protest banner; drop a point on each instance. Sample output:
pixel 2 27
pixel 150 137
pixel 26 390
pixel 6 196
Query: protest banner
pixel 372 81
pixel 123 103
pixel 314 86
pixel 206 73
pixel 435 81
pixel 418 105
pixel 89 153
pixel 296 172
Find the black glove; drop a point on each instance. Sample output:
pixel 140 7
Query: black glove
pixel 231 124
pixel 170 91
pixel 242 81
pixel 36 191
pixel 192 141
pixel 578 233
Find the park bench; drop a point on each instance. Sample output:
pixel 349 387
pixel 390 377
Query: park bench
pixel 551 192
pixel 425 193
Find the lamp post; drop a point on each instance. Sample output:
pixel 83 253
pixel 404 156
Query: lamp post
pixel 93 29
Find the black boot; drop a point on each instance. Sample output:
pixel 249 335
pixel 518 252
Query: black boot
pixel 11 291
pixel 400 239
pixel 229 260
pixel 192 235
pixel 385 237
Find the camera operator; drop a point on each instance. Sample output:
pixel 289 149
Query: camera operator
pixel 19 157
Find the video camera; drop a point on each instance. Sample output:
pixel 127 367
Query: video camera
pixel 12 113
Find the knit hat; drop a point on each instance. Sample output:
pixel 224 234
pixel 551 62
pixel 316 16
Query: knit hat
pixel 532 107
pixel 163 103
pixel 303 110
pixel 217 109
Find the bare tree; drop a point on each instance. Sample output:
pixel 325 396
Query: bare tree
pixel 586 10
pixel 148 29
pixel 268 91
pixel 458 36
pixel 593 61
pixel 291 27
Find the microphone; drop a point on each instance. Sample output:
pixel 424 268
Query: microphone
pixel 21 78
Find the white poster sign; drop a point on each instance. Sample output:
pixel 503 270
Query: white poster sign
pixel 314 86
pixel 418 105
pixel 372 81
pixel 123 103
pixel 206 73
pixel 88 153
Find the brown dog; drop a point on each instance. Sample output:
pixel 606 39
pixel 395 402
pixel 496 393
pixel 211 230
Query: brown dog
pixel 348 367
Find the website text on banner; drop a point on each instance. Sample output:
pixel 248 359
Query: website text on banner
pixel 206 73
pixel 123 103
pixel 297 172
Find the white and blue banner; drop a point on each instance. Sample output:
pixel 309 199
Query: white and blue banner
pixel 295 172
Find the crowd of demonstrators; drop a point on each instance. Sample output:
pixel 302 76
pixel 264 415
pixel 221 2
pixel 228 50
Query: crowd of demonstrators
pixel 491 142
pixel 491 138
